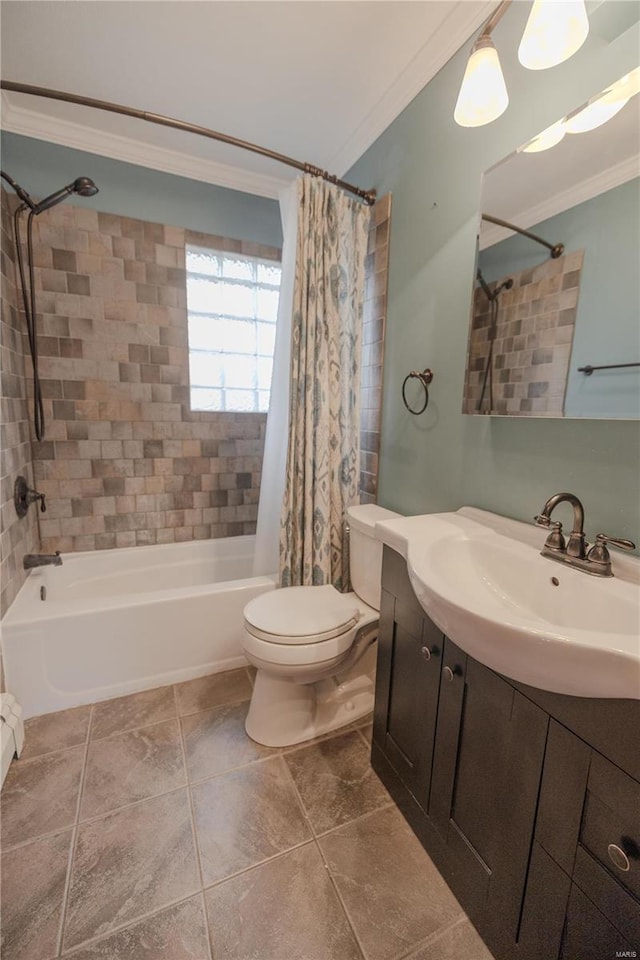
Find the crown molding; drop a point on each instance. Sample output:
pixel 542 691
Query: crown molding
pixel 31 123
pixel 456 28
pixel 593 186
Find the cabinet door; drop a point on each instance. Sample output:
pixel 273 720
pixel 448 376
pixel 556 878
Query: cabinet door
pixel 407 684
pixel 588 935
pixel 488 758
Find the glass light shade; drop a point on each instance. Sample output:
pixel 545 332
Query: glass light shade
pixel 483 95
pixel 607 105
pixel 555 30
pixel 547 139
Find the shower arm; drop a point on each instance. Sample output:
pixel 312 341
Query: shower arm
pixel 556 249
pixel 369 196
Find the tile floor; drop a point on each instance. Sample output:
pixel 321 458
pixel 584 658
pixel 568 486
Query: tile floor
pixel 152 828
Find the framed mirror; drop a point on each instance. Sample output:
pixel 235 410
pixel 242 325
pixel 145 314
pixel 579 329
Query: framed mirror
pixel 555 315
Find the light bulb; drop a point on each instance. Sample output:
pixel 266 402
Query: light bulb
pixel 483 95
pixel 547 139
pixel 555 30
pixel 606 105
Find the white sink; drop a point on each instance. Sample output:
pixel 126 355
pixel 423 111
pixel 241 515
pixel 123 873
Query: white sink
pixel 481 579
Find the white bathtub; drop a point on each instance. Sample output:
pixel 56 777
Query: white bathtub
pixel 119 621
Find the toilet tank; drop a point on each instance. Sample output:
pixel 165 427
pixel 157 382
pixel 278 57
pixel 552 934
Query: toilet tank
pixel 365 551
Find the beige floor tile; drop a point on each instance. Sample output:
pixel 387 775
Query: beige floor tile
pixel 335 781
pixel 136 710
pixel 55 731
pixel 459 942
pixel 33 882
pixel 285 909
pixel 130 863
pixel 246 816
pixel 132 766
pixel 393 894
pixel 214 691
pixel 215 741
pixel 40 796
pixel 177 933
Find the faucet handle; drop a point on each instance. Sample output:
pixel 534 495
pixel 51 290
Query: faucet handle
pixel 603 538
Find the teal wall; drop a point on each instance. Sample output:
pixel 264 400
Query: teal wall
pixel 134 191
pixel 433 168
pixel 608 324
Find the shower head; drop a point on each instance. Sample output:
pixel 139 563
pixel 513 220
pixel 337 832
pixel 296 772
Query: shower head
pixel 83 186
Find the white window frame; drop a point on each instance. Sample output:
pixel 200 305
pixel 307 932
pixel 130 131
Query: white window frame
pixel 221 392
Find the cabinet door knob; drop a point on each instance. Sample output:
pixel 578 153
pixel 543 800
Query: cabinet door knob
pixel 618 857
pixel 448 674
pixel 426 653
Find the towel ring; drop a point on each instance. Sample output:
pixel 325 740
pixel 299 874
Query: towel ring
pixel 425 377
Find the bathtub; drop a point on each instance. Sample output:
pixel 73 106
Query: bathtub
pixel 114 622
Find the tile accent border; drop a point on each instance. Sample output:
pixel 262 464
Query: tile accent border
pixel 375 318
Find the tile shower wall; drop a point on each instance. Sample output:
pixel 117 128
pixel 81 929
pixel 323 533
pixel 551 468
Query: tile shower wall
pixel 532 345
pixel 375 313
pixel 17 537
pixel 125 461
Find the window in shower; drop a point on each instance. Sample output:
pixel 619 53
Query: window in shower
pixel 232 303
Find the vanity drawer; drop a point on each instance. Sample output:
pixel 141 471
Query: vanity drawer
pixel 610 829
pixel 620 908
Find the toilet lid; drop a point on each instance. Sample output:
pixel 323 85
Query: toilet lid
pixel 297 614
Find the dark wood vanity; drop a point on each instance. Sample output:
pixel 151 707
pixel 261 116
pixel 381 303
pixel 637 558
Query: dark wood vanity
pixel 528 802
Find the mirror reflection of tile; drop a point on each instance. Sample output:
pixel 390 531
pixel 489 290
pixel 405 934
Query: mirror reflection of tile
pixel 532 338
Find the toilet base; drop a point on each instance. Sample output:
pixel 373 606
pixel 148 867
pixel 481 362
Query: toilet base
pixel 283 713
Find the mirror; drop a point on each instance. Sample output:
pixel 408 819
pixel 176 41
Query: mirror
pixel 557 334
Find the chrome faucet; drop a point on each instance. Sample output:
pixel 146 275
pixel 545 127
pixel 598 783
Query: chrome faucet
pixel 576 551
pixel 32 560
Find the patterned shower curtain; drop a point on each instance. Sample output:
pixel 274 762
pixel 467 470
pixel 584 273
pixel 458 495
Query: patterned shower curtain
pixel 323 459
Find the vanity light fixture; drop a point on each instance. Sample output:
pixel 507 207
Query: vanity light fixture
pixel 605 105
pixel 555 30
pixel 547 139
pixel 483 95
pixel 601 108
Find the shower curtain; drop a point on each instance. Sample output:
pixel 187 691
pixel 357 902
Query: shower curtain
pixel 274 461
pixel 323 457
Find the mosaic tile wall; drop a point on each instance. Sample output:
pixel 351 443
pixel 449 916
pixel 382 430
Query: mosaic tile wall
pixel 124 461
pixel 17 537
pixel 375 313
pixel 532 344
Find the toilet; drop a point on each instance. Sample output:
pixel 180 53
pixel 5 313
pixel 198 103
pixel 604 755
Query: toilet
pixel 314 648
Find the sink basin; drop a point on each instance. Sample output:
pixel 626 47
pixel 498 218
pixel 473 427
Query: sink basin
pixel 481 579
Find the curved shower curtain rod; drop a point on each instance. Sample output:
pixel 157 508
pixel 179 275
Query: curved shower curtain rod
pixel 369 196
pixel 557 249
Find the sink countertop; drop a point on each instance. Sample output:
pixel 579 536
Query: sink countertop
pixel 481 579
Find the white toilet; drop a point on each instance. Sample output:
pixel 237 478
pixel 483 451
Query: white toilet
pixel 314 648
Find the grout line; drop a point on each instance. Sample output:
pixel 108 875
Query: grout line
pixel 213 706
pixel 195 781
pixel 192 814
pixel 128 806
pixel 126 926
pixel 262 863
pixel 299 798
pixel 338 894
pixel 432 938
pixel 74 838
pixel 141 726
pixel 348 823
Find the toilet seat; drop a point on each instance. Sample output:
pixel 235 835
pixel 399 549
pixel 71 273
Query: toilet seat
pixel 302 615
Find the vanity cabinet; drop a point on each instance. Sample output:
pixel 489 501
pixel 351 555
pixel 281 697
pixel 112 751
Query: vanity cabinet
pixel 536 832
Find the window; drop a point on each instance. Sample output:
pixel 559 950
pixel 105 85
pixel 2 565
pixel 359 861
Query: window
pixel 232 304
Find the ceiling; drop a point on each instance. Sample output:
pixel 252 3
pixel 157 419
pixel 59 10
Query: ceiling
pixel 318 81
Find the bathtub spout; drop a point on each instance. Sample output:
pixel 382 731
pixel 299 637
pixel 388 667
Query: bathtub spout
pixel 32 560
